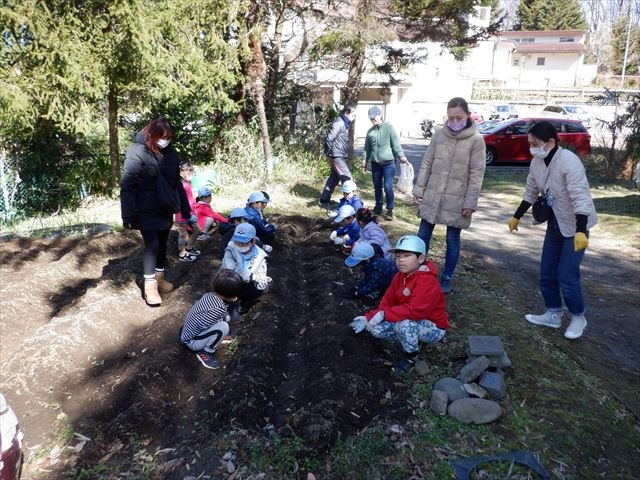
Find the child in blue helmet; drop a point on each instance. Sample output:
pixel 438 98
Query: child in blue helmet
pixel 413 308
pixel 349 197
pixel 345 236
pixel 245 257
pixel 256 203
pixel 378 271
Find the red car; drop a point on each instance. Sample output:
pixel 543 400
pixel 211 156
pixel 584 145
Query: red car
pixel 11 441
pixel 507 141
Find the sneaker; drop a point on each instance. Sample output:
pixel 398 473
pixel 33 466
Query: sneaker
pixel 187 257
pixel 193 252
pixel 204 236
pixel 576 327
pixel 404 365
pixel 445 285
pixel 377 211
pixel 388 214
pixel 208 360
pixel 547 319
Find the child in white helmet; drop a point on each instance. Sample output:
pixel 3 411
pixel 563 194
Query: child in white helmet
pixel 349 233
pixel 413 309
pixel 349 197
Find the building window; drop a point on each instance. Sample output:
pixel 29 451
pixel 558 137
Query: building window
pixel 483 13
pixel 540 61
pixel 525 40
pixel 516 62
pixel 567 39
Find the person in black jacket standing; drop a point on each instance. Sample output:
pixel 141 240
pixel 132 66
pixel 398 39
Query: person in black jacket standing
pixel 149 156
pixel 337 149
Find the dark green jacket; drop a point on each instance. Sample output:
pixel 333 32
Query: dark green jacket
pixel 382 144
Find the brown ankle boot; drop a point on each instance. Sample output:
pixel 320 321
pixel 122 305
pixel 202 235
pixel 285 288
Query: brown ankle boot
pixel 163 285
pixel 151 294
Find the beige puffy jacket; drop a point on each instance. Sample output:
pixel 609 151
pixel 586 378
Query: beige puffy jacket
pixel 451 176
pixel 567 182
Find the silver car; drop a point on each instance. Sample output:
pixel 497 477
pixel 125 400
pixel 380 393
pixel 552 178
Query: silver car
pixel 577 112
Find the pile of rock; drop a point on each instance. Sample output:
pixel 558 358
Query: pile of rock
pixel 471 398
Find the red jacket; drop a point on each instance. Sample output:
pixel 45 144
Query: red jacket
pixel 204 210
pixel 416 296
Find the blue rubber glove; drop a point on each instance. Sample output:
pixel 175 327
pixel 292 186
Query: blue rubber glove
pixel 193 219
pixel 359 324
pixel 376 319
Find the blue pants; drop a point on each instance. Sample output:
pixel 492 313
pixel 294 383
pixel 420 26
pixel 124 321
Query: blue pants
pixel 560 271
pixel 382 176
pixel 210 338
pixel 409 333
pixel 453 245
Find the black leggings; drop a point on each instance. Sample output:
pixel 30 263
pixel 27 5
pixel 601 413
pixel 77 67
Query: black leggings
pixel 155 250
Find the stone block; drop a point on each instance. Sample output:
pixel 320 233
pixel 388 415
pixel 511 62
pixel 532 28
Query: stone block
pixel 439 402
pixel 475 410
pixel 452 386
pixel 474 369
pixel 475 390
pixel 489 345
pixel 493 383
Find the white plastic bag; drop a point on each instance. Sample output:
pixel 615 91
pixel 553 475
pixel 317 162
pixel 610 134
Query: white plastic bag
pixel 405 181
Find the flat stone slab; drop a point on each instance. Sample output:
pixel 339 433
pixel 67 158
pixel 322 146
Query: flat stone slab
pixel 475 390
pixel 453 388
pixel 489 345
pixel 475 410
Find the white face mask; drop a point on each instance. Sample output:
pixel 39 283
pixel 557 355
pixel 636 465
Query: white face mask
pixel 163 142
pixel 244 249
pixel 538 152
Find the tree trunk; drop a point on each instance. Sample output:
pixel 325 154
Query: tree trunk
pixel 114 149
pixel 256 88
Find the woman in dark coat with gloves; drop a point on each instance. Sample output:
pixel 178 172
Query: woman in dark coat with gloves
pixel 144 202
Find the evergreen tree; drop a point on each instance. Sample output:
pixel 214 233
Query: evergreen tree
pixel 550 15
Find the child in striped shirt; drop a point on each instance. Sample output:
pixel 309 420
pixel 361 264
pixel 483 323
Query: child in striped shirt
pixel 206 323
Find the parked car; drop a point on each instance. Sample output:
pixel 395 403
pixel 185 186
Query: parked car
pixel 570 111
pixel 476 116
pixel 509 142
pixel 11 441
pixel 502 111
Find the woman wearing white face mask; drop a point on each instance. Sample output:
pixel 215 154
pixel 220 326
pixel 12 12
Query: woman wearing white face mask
pixel 150 193
pixel 449 182
pixel 560 175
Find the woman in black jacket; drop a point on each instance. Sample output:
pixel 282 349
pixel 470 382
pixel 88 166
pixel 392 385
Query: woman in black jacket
pixel 150 184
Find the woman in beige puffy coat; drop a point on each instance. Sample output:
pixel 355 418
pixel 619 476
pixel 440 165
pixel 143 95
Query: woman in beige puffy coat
pixel 449 182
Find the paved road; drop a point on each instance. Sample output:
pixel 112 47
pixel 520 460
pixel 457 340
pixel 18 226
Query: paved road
pixel 611 279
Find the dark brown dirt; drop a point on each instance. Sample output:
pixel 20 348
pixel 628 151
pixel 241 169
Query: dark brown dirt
pixel 78 338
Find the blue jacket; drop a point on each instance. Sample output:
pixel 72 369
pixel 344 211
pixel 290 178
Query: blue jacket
pixel 377 276
pixel 264 231
pixel 355 202
pixel 353 230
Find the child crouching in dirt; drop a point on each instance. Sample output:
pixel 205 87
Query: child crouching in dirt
pixel 208 220
pixel 378 271
pixel 250 261
pixel 205 325
pixel 349 233
pixel 413 308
